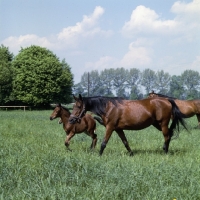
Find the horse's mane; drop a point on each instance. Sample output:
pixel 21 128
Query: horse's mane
pixel 66 109
pixel 165 96
pixel 98 104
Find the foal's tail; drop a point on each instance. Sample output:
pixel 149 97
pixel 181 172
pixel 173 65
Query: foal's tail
pixel 99 120
pixel 177 117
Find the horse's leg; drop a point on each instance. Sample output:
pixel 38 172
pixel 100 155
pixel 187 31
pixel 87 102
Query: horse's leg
pixel 105 140
pixel 166 133
pixel 92 134
pixel 68 138
pixel 198 118
pixel 124 140
pixel 167 137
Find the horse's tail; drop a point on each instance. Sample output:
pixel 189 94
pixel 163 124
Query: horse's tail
pixel 99 120
pixel 177 116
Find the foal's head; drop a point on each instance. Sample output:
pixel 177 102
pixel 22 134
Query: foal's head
pixel 56 112
pixel 59 111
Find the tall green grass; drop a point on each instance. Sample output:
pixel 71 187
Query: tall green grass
pixel 34 163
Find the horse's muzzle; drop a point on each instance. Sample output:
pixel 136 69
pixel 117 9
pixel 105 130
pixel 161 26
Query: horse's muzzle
pixel 51 118
pixel 73 120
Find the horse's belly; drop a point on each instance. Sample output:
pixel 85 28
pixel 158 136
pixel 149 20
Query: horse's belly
pixel 135 125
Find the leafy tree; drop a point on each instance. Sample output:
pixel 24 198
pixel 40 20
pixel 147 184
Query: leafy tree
pixel 79 89
pixel 133 81
pixel 176 87
pixel 90 83
pixel 6 74
pixel 106 78
pixel 148 80
pixel 191 81
pixel 40 78
pixel 65 81
pixel 119 81
pixel 94 83
pixel 162 82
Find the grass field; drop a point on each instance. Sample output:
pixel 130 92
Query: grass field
pixel 34 163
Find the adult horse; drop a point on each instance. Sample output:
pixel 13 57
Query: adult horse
pixel 188 107
pixel 87 124
pixel 119 114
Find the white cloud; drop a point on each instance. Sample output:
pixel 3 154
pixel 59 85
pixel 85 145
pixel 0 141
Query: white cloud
pixel 86 28
pixel 104 62
pixel 69 37
pixel 136 56
pixel 185 25
pixel 192 8
pixel 15 43
pixel 146 21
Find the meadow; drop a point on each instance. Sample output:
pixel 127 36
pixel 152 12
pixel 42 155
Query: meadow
pixel 34 163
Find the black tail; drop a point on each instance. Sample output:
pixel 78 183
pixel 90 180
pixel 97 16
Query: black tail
pixel 177 117
pixel 99 120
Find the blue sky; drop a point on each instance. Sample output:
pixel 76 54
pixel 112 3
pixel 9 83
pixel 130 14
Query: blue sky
pixel 100 34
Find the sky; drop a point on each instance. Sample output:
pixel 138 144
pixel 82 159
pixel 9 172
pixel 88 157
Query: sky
pixel 103 34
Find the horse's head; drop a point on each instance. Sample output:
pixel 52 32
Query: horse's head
pixel 78 110
pixel 56 112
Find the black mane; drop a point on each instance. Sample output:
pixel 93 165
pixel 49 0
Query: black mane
pixel 165 96
pixel 98 104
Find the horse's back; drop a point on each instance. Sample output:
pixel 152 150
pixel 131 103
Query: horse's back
pixel 188 107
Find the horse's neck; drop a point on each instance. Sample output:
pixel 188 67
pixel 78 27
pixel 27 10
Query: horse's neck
pixel 65 116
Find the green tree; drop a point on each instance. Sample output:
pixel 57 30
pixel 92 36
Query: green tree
pixel 191 83
pixel 106 78
pixel 119 81
pixel 176 87
pixel 6 74
pixel 148 80
pixel 90 82
pixel 79 89
pixel 162 82
pixel 40 78
pixel 133 83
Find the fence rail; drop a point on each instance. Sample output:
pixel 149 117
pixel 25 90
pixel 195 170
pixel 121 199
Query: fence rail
pixel 15 107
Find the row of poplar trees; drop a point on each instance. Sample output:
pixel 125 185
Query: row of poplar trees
pixel 135 84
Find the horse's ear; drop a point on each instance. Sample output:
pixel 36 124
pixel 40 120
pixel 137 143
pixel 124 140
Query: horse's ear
pixel 58 105
pixel 75 98
pixel 80 97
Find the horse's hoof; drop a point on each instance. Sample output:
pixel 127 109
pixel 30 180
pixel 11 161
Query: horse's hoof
pixel 68 149
pixel 131 153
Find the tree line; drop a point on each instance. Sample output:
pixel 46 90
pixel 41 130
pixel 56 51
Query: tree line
pixel 36 77
pixel 135 84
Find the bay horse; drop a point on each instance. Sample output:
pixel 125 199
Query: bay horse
pixel 87 124
pixel 188 107
pixel 118 115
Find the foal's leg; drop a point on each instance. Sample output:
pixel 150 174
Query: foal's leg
pixel 92 134
pixel 68 138
pixel 124 140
